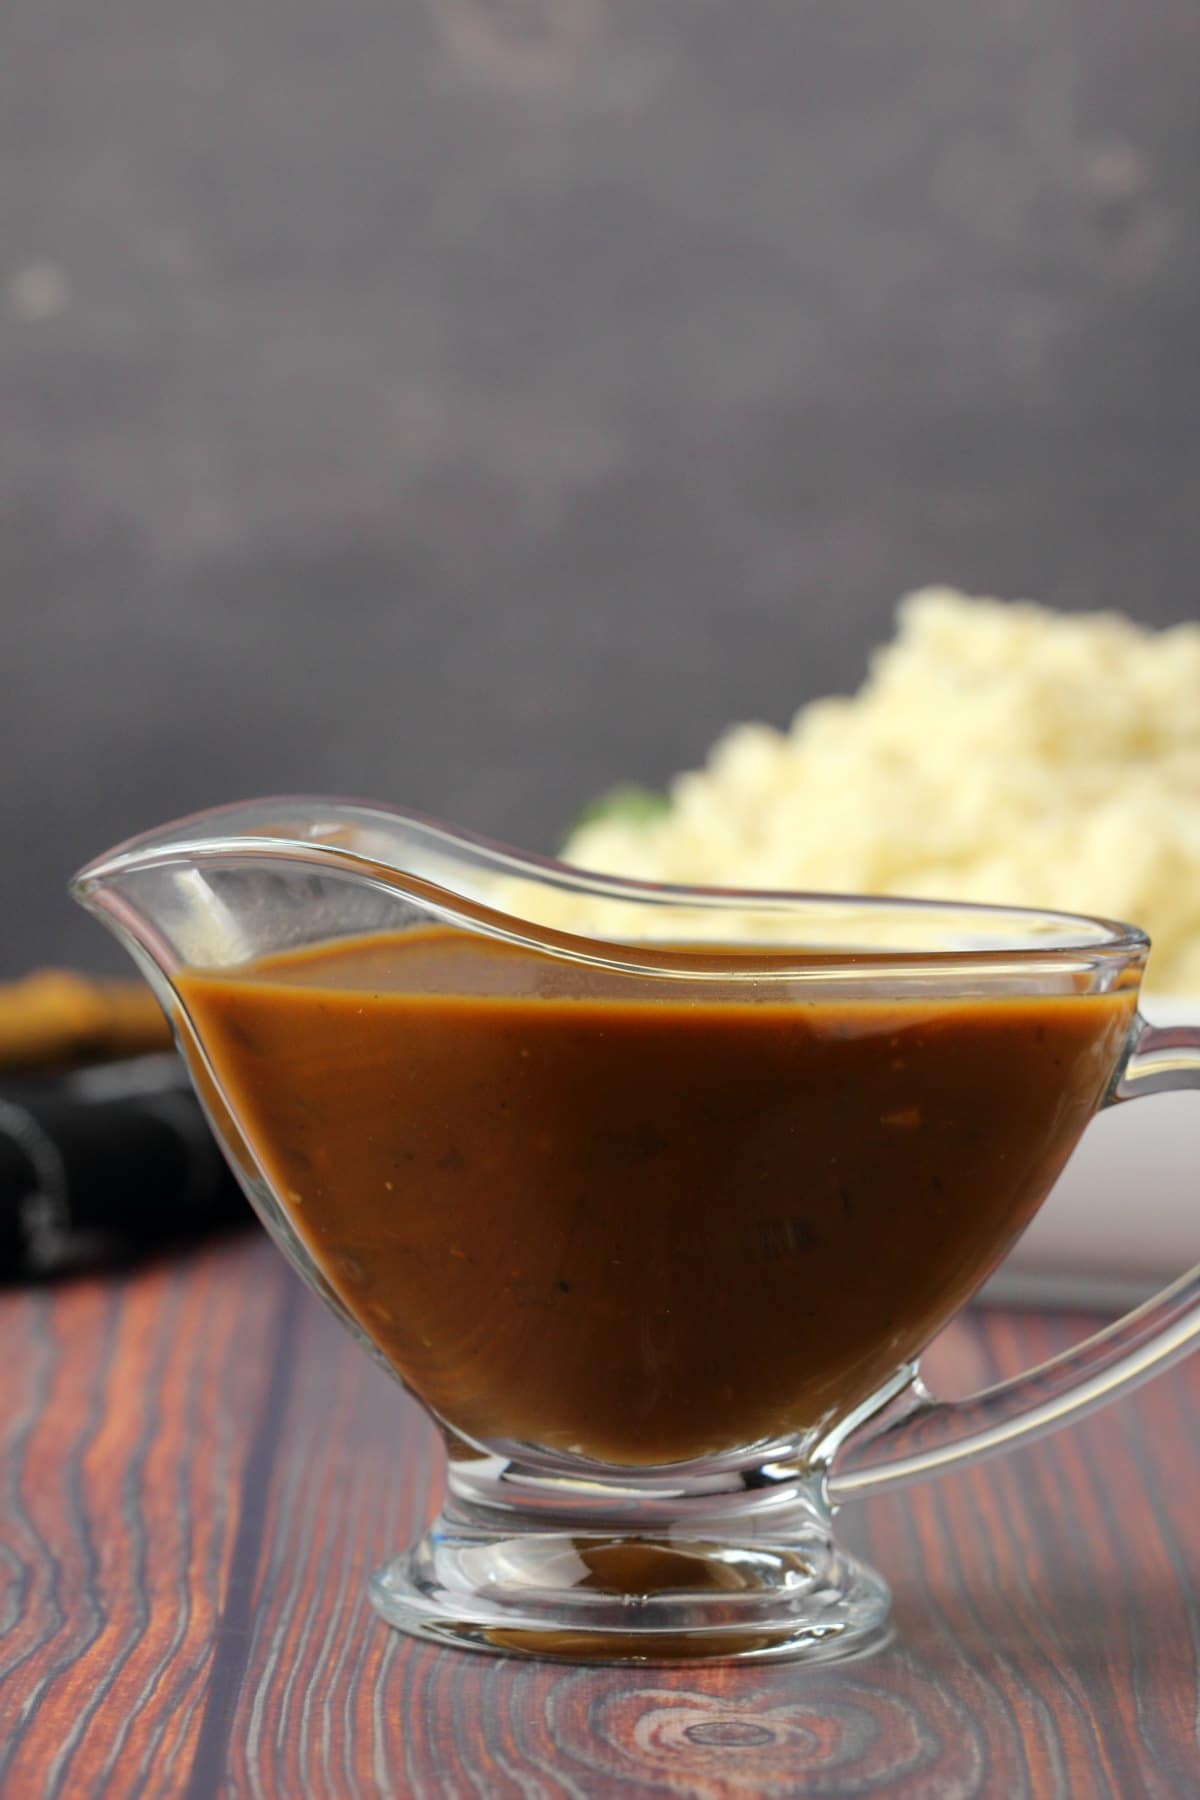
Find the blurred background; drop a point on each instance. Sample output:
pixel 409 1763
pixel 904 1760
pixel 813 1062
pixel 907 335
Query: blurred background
pixel 472 403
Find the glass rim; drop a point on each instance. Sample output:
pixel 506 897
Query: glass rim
pixel 197 837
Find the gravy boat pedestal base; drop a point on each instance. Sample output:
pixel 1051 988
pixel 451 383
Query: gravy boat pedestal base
pixel 585 1571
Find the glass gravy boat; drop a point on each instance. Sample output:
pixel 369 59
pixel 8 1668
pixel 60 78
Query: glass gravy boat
pixel 651 1196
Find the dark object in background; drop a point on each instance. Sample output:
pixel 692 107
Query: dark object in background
pixel 106 1164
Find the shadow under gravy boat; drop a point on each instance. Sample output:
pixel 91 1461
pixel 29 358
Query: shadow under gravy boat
pixel 651 1196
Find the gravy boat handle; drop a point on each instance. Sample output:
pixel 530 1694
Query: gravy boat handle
pixel 931 1436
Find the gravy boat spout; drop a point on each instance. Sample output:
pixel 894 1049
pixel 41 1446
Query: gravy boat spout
pixel 650 1196
pixel 257 878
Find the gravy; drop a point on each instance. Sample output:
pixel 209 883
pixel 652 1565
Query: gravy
pixel 638 1219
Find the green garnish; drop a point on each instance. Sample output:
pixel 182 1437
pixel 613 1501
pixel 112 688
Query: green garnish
pixel 627 804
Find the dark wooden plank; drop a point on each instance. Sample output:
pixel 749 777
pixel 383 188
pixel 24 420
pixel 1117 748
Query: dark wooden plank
pixel 128 1414
pixel 202 1471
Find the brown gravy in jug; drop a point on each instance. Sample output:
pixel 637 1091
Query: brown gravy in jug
pixel 638 1219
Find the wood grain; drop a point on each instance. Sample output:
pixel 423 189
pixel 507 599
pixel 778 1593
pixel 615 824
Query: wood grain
pixel 200 1471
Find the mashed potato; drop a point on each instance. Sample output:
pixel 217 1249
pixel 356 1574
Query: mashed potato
pixel 997 752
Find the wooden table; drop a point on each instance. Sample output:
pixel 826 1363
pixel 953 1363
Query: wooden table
pixel 200 1471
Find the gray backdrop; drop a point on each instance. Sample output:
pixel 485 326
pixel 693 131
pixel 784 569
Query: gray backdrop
pixel 473 402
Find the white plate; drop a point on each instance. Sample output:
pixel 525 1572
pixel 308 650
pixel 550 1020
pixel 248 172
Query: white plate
pixel 1123 1219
